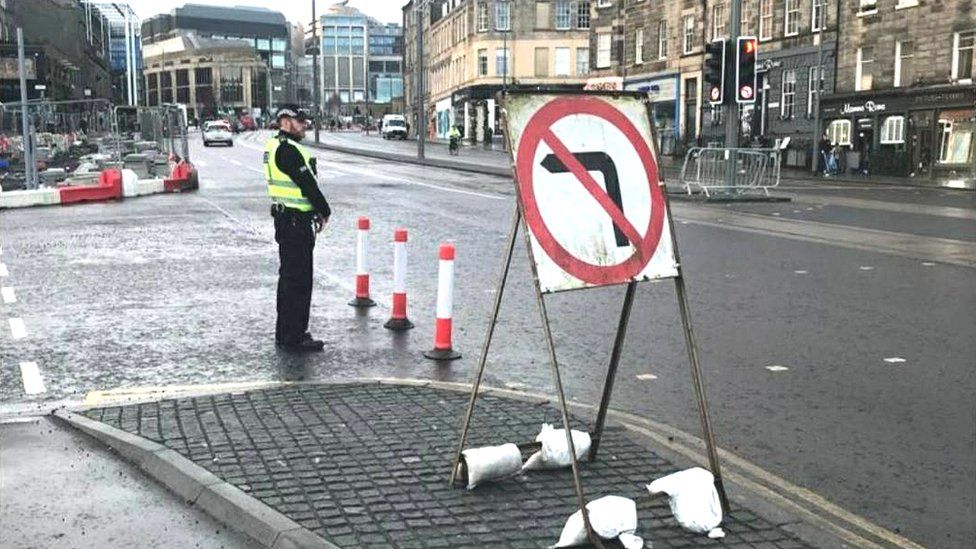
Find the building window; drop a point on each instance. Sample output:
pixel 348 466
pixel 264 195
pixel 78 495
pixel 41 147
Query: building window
pixel 813 89
pixel 604 3
pixel 718 21
pixel 893 130
pixel 563 15
pixel 231 84
pixel 501 62
pixel 791 23
pixel 955 135
pixel 482 17
pixel 765 19
pixel 639 46
pixel 867 7
pixel 662 39
pixel 788 99
pixel 906 4
pixel 166 86
pixel 502 12
pixel 963 45
pixel 561 67
pixel 482 62
pixel 541 62
pixel 819 15
pixel 582 15
pixel 603 50
pixel 543 16
pixel 689 34
pixel 865 60
pixel 904 51
pixel 839 132
pixel 582 61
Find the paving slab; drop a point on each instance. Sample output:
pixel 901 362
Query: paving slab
pixel 367 465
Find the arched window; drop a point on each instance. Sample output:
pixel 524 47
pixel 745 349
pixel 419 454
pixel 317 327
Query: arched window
pixel 893 130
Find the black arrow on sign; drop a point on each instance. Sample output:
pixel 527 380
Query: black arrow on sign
pixel 595 162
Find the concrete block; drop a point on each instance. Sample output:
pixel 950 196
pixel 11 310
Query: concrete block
pixel 149 186
pixel 28 198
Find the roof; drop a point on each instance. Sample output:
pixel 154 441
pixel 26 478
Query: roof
pixel 246 14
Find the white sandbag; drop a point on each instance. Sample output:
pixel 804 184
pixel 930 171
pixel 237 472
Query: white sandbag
pixel 693 499
pixel 555 450
pixel 610 516
pixel 491 463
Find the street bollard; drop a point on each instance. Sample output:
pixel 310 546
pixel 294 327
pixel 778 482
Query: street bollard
pixel 445 304
pixel 398 319
pixel 362 298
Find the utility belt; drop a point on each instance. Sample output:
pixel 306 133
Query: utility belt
pixel 278 210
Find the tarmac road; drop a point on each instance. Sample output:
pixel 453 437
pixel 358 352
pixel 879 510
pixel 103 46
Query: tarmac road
pixel 864 294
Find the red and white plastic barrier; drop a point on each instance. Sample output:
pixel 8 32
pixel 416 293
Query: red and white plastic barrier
pixel 398 319
pixel 362 298
pixel 443 349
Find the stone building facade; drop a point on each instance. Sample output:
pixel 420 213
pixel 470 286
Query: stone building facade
pixel 211 77
pixel 474 49
pixel 905 94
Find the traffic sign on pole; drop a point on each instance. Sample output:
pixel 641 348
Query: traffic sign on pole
pixel 589 185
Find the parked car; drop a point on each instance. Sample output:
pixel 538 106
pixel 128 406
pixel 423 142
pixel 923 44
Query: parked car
pixel 394 125
pixel 217 132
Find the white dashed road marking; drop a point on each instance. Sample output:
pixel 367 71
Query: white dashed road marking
pixel 3 270
pixel 200 163
pixel 866 268
pixel 801 272
pixel 17 328
pixel 777 368
pixel 928 264
pixel 236 163
pixel 31 376
pixel 8 294
pixel 646 377
pixel 895 360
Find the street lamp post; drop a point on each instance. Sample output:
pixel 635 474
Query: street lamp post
pixel 316 92
pixel 814 147
pixel 419 72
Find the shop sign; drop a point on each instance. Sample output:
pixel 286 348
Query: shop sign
pixel 664 89
pixel 868 106
pixel 607 83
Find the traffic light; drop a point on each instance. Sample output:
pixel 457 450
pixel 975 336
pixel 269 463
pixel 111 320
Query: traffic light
pixel 715 72
pixel 747 49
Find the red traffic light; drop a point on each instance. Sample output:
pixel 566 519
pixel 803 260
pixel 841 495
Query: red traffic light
pixel 749 46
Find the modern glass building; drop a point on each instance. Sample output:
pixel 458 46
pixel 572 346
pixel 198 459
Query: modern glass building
pixel 266 30
pixel 361 63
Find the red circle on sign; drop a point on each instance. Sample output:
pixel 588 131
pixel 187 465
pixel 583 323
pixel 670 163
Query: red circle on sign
pixel 537 127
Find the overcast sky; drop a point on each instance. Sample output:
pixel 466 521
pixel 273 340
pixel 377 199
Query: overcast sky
pixel 387 11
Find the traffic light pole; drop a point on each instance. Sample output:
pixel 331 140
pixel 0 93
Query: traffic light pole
pixel 732 118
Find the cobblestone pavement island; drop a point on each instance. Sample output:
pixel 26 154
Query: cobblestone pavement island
pixel 366 465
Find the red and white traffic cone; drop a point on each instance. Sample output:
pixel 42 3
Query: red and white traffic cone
pixel 362 298
pixel 398 320
pixel 445 304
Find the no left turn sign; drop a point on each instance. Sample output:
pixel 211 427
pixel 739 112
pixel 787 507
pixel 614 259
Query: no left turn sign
pixel 590 192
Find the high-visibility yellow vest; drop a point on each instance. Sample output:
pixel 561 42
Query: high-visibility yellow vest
pixel 281 188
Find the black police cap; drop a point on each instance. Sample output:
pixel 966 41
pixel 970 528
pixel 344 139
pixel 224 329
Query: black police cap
pixel 291 111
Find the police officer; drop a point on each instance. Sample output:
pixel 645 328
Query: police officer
pixel 300 212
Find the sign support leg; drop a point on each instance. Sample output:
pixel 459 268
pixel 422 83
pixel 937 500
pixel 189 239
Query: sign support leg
pixel 507 262
pixel 618 344
pixel 557 380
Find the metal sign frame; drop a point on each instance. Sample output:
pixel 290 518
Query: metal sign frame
pixel 518 219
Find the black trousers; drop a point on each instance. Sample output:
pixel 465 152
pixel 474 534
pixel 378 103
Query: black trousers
pixel 296 240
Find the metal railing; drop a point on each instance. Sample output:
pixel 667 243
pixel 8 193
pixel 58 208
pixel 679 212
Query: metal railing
pixel 730 171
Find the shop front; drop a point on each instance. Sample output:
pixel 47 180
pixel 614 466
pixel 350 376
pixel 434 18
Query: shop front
pixel 926 132
pixel 662 92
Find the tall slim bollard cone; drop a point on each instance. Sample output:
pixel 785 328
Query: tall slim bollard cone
pixel 443 349
pixel 362 298
pixel 398 319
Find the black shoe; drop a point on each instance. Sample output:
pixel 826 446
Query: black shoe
pixel 306 345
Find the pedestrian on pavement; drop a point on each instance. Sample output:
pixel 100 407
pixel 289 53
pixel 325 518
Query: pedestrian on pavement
pixel 300 212
pixel 825 154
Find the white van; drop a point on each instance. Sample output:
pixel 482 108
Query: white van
pixel 394 125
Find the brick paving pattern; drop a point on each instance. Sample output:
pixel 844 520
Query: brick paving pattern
pixel 367 465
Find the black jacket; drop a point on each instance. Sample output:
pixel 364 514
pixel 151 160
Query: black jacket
pixel 290 161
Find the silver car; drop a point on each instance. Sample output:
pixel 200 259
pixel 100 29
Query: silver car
pixel 217 132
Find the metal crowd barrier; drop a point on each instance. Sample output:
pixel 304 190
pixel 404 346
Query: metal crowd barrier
pixel 708 168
